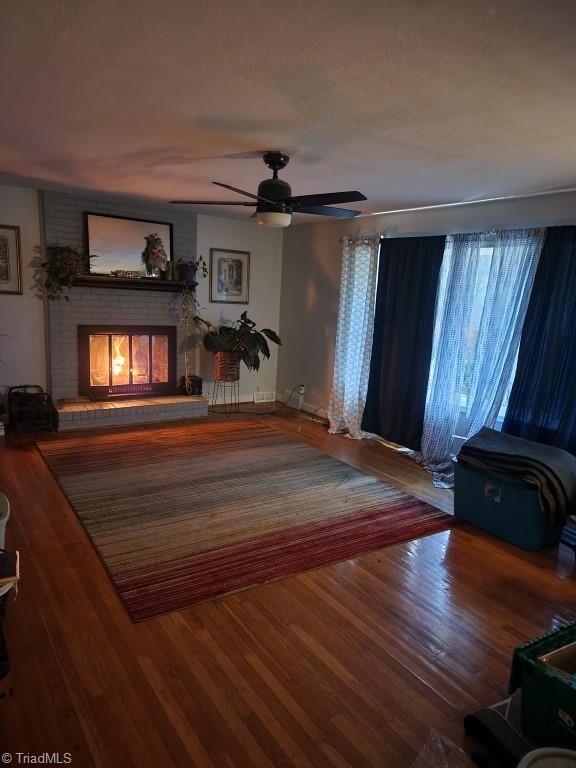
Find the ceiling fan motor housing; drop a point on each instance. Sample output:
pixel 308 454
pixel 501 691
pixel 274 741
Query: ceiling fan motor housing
pixel 274 189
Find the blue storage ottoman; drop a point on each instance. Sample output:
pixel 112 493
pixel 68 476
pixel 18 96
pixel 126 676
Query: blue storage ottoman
pixel 504 507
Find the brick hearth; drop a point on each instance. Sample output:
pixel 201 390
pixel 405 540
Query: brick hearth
pixel 133 411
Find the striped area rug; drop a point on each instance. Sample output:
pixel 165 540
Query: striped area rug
pixel 183 514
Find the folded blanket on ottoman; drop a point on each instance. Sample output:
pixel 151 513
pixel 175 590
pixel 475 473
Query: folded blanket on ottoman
pixel 551 470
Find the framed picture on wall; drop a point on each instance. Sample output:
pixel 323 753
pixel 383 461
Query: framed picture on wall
pixel 119 246
pixel 10 266
pixel 229 276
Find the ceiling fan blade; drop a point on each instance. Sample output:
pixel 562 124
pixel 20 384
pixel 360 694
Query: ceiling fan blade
pixel 243 192
pixel 329 198
pixel 326 210
pixel 209 202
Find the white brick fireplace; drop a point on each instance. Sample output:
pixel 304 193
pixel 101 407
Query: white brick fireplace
pixel 111 306
pixel 87 305
pixel 101 306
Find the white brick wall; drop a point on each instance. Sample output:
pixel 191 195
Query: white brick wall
pixel 63 224
pixel 100 306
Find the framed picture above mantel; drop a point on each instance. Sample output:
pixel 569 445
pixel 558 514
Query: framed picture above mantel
pixel 229 276
pixel 125 248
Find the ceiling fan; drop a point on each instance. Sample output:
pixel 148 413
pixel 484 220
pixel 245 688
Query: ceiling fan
pixel 275 203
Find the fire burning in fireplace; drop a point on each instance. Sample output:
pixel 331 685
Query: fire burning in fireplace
pixel 118 360
pixel 127 361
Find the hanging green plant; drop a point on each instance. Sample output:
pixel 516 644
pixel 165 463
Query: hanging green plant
pixel 188 314
pixel 60 265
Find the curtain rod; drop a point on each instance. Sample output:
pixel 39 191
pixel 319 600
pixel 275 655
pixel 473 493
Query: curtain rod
pixel 486 233
pixel 502 198
pixel 491 232
pixel 361 238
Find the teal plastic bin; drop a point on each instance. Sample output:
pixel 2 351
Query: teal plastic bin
pixel 504 507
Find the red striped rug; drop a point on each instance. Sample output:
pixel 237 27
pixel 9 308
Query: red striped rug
pixel 184 514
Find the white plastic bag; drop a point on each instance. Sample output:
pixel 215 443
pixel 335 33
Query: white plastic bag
pixel 439 752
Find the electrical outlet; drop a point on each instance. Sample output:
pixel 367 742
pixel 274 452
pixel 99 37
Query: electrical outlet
pixel 264 397
pixel 301 389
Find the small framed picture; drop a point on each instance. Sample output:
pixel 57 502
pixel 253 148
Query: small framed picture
pixel 229 276
pixel 10 267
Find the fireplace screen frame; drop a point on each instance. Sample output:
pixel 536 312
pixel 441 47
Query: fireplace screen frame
pixel 130 390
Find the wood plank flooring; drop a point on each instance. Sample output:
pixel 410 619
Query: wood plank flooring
pixel 349 665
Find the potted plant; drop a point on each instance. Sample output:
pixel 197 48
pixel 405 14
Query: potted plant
pixel 187 313
pixel 189 270
pixel 236 343
pixel 58 267
pixel 191 321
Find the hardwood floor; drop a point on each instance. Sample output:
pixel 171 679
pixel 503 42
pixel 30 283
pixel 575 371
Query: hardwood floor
pixel 349 665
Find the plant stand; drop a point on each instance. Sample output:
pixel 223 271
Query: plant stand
pixel 228 393
pixel 226 390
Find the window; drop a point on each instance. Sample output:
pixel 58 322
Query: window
pixel 475 311
pixel 479 296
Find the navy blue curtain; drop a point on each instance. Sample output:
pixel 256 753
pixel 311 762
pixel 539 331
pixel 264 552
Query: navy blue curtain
pixel 542 404
pixel 402 345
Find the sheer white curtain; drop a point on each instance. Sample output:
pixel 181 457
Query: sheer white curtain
pixel 473 357
pixel 354 334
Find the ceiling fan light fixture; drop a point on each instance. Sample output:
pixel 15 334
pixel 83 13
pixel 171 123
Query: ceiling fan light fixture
pixel 273 219
pixel 275 202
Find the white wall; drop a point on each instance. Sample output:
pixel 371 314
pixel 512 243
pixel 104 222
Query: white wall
pixel 265 246
pixel 23 349
pixel 311 274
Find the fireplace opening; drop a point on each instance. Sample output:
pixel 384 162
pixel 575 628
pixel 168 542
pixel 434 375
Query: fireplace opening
pixel 126 361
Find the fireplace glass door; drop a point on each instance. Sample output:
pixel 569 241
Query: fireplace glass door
pixel 126 361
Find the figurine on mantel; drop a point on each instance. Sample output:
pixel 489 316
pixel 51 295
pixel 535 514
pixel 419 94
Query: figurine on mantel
pixel 154 256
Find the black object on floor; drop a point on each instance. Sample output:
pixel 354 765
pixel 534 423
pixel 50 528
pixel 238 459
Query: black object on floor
pixel 192 385
pixel 29 408
pixel 486 759
pixel 497 729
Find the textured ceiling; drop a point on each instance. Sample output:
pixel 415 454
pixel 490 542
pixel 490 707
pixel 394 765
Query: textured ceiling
pixel 412 102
